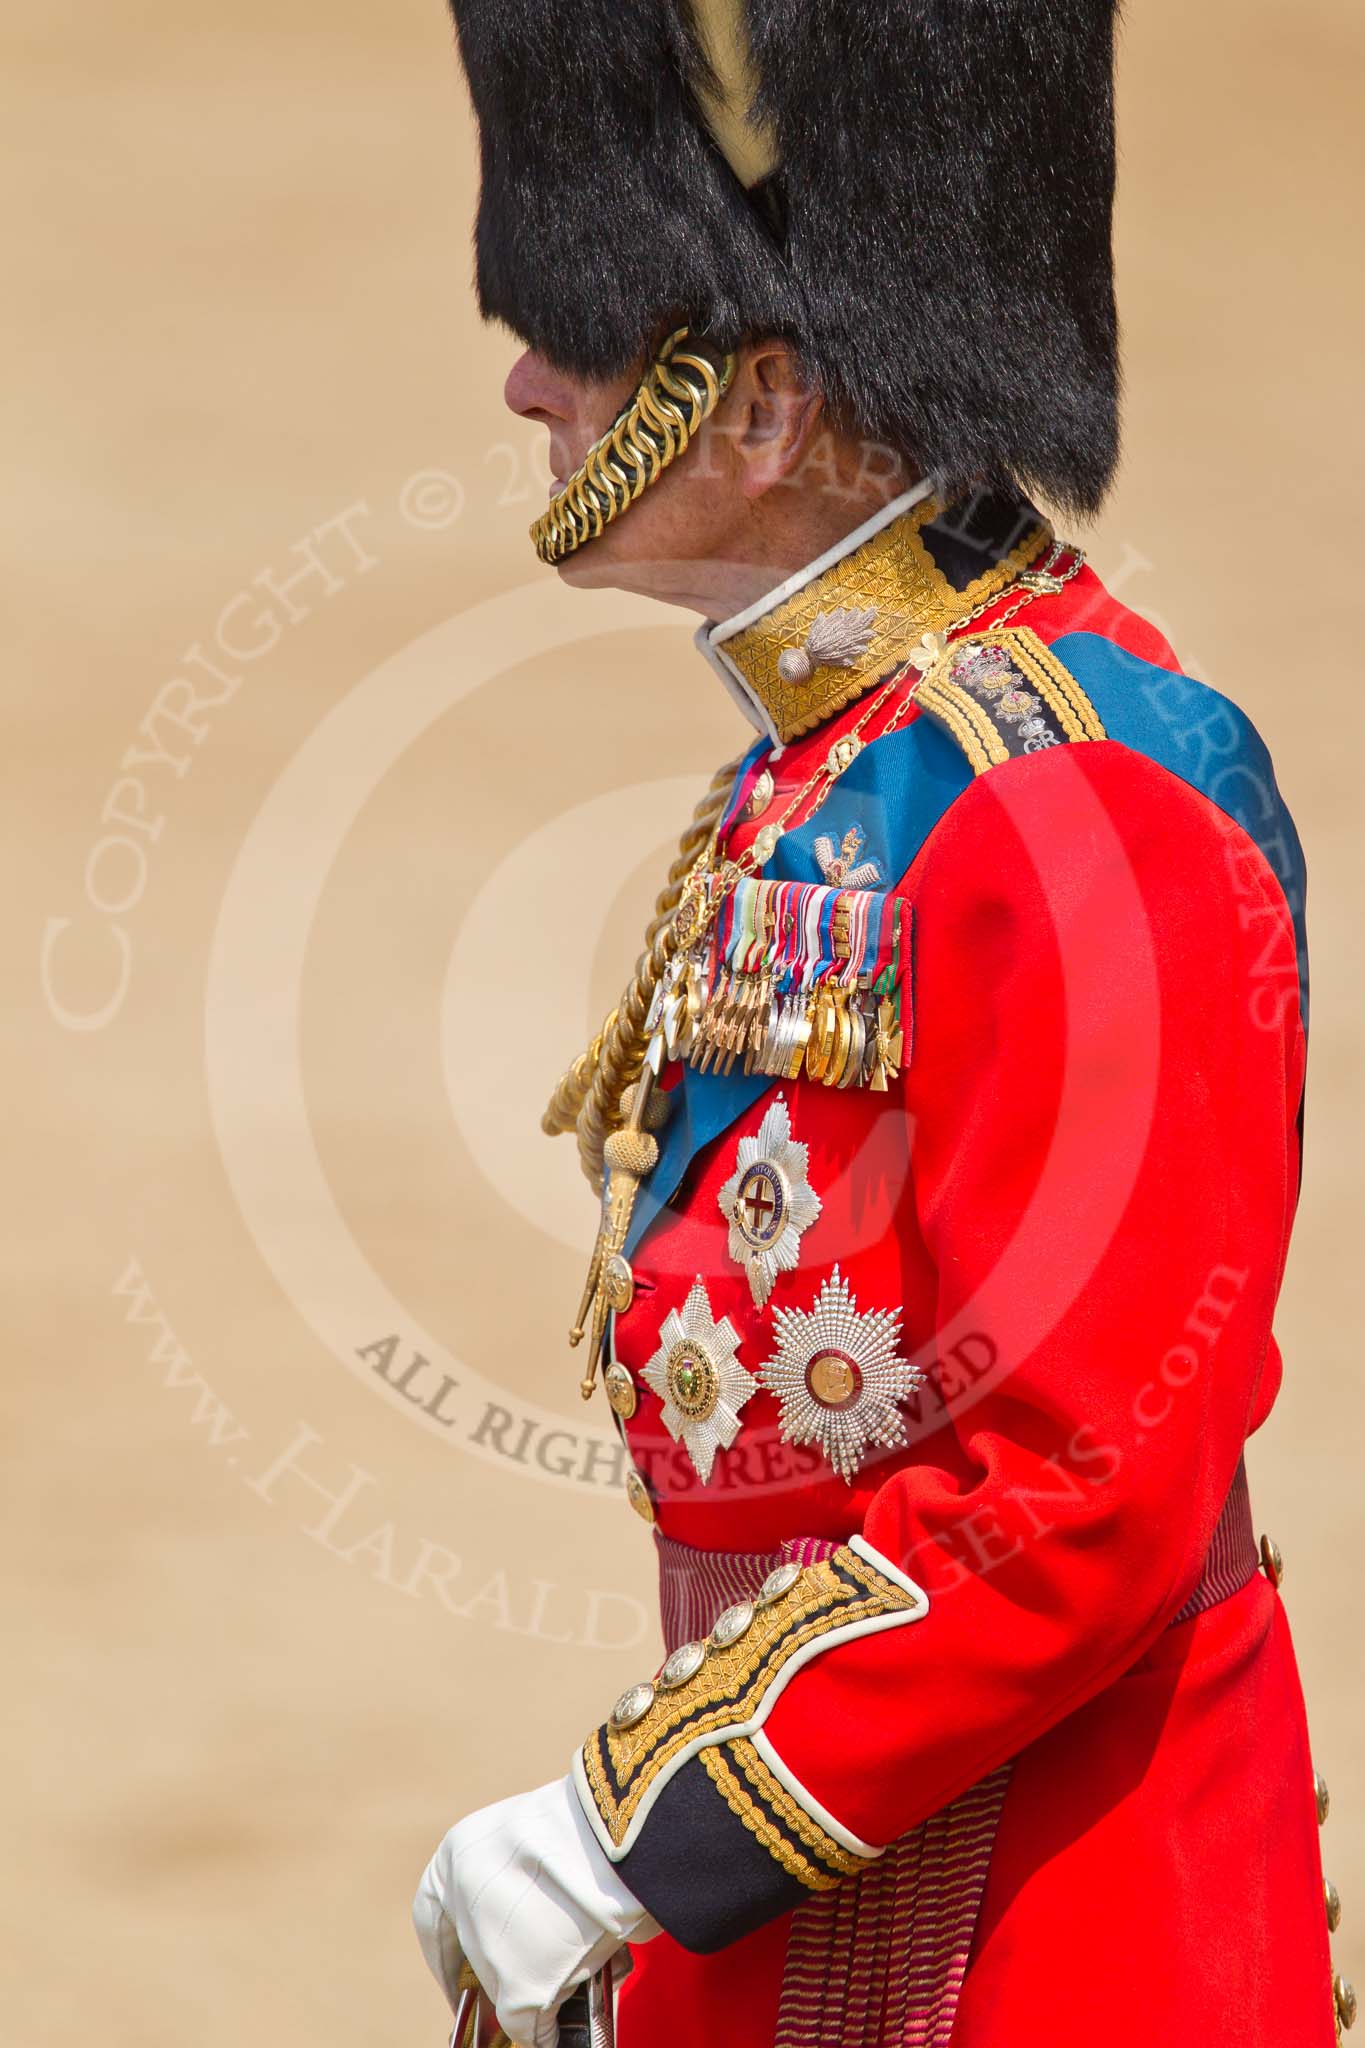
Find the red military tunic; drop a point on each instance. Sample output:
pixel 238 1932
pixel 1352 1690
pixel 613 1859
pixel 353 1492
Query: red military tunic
pixel 1077 1199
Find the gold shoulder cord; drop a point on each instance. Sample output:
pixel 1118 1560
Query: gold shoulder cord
pixel 605 1095
pixel 588 1098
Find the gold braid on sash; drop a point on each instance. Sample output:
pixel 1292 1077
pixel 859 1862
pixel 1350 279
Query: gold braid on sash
pixel 588 1098
pixel 681 388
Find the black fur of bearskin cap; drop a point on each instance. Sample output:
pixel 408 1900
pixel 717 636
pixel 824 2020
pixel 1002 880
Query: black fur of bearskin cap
pixel 947 174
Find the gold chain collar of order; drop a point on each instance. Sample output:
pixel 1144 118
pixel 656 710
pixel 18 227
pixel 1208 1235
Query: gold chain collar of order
pixel 1044 581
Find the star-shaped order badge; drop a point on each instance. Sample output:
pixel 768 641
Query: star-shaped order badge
pixel 838 1376
pixel 700 1381
pixel 768 1202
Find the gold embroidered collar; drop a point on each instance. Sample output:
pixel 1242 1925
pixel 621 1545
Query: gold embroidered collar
pixel 886 567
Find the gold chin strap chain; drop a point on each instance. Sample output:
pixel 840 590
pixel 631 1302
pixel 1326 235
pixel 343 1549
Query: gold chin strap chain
pixel 681 388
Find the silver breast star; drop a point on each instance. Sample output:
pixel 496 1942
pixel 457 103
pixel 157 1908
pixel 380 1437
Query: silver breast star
pixel 768 1202
pixel 699 1379
pixel 838 1376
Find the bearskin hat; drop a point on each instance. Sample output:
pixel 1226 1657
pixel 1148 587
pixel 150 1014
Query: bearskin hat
pixel 916 193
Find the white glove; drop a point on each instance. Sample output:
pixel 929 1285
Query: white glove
pixel 523 1891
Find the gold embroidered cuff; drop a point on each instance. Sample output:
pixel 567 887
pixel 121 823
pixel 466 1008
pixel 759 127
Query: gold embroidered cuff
pixel 778 1823
pixel 709 1700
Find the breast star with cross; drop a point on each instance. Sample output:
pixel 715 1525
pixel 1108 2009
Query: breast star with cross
pixel 768 1202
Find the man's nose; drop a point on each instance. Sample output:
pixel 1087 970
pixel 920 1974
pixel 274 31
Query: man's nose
pixel 535 389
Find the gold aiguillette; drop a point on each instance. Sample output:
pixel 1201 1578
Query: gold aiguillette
pixel 629 1154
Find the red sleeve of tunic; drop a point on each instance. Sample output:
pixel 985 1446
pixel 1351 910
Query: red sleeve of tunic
pixel 1103 1098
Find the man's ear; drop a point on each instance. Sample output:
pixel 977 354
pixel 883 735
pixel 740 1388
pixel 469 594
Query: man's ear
pixel 776 414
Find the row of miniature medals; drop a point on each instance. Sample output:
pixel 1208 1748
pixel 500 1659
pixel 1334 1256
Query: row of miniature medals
pixel 789 978
pixel 784 978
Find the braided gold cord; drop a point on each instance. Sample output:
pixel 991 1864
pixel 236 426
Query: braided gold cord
pixel 588 1097
pixel 561 1113
pixel 622 1057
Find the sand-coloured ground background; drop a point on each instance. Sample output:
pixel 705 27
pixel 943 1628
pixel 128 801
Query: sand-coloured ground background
pixel 287 993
